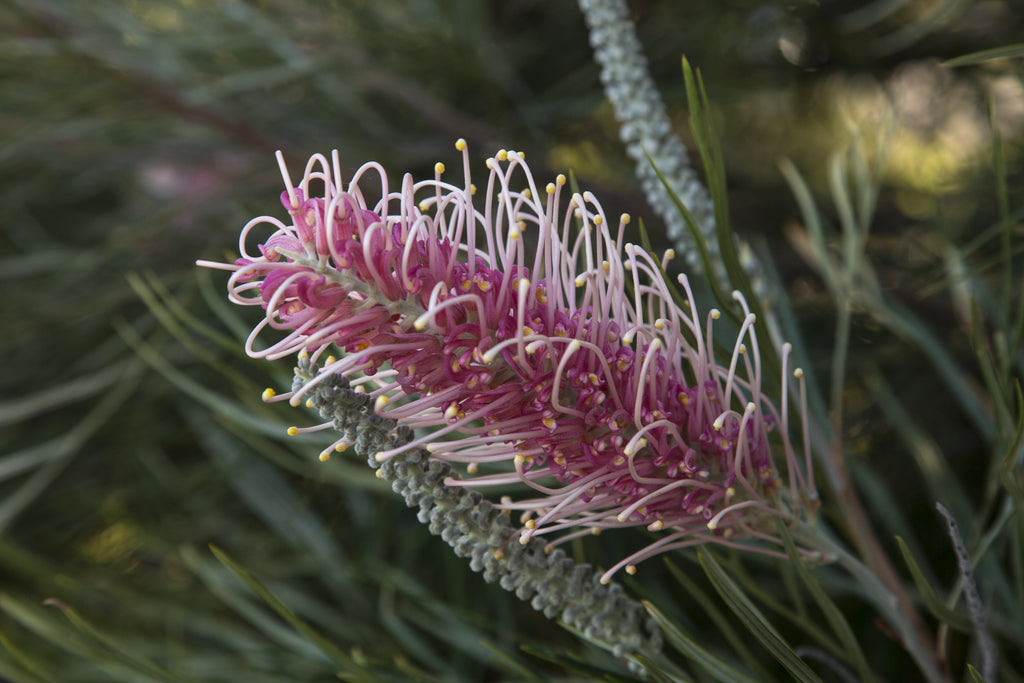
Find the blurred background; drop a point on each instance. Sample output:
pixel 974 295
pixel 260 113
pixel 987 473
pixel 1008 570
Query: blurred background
pixel 138 136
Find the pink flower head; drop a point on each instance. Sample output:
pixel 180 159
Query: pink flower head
pixel 519 334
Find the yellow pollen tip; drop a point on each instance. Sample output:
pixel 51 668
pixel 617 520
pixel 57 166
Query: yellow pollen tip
pixel 550 188
pixel 670 254
pixel 502 155
pixel 331 360
pixel 596 531
pixel 713 524
pixel 560 179
pixel 379 456
pixel 423 205
pixel 499 554
pixel 605 580
pixel 472 187
pixel 657 525
pixel 292 431
pixel 798 373
pixel 624 219
pixel 324 457
pixel 631 569
pixel 439 168
pixel 472 468
pixel 303 354
pixel 341 448
pixel 268 394
pixel 377 473
pixel 531 524
pixel 381 401
pixel 743 348
pixel 526 192
pixel 309 403
pixel 598 220
pixel 715 314
pixel 460 144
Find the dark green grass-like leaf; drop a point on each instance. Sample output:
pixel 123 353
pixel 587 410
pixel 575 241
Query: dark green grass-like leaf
pixel 722 625
pixel 976 676
pixel 348 669
pixel 929 596
pixel 836 620
pixel 719 669
pixel 1002 52
pixel 755 621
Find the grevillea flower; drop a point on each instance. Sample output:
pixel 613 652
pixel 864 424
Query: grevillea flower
pixel 524 339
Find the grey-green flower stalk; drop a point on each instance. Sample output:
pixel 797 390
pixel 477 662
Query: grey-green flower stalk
pixel 645 126
pixel 552 582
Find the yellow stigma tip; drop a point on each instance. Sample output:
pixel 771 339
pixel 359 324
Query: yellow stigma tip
pixel 439 168
pixel 324 457
pixel 269 394
pixel 460 144
pixel 292 431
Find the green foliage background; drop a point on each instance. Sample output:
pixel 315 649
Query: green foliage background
pixel 138 136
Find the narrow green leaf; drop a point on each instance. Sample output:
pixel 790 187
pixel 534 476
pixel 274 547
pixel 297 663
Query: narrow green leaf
pixel 656 673
pixel 976 676
pixel 930 597
pixel 1002 52
pixel 840 626
pixel 27 669
pixel 329 650
pixel 701 657
pixel 122 653
pixel 507 662
pixel 721 624
pixel 755 621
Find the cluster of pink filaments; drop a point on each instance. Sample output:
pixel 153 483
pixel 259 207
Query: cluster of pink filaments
pixel 519 335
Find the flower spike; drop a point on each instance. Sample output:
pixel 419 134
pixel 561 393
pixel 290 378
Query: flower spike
pixel 521 338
